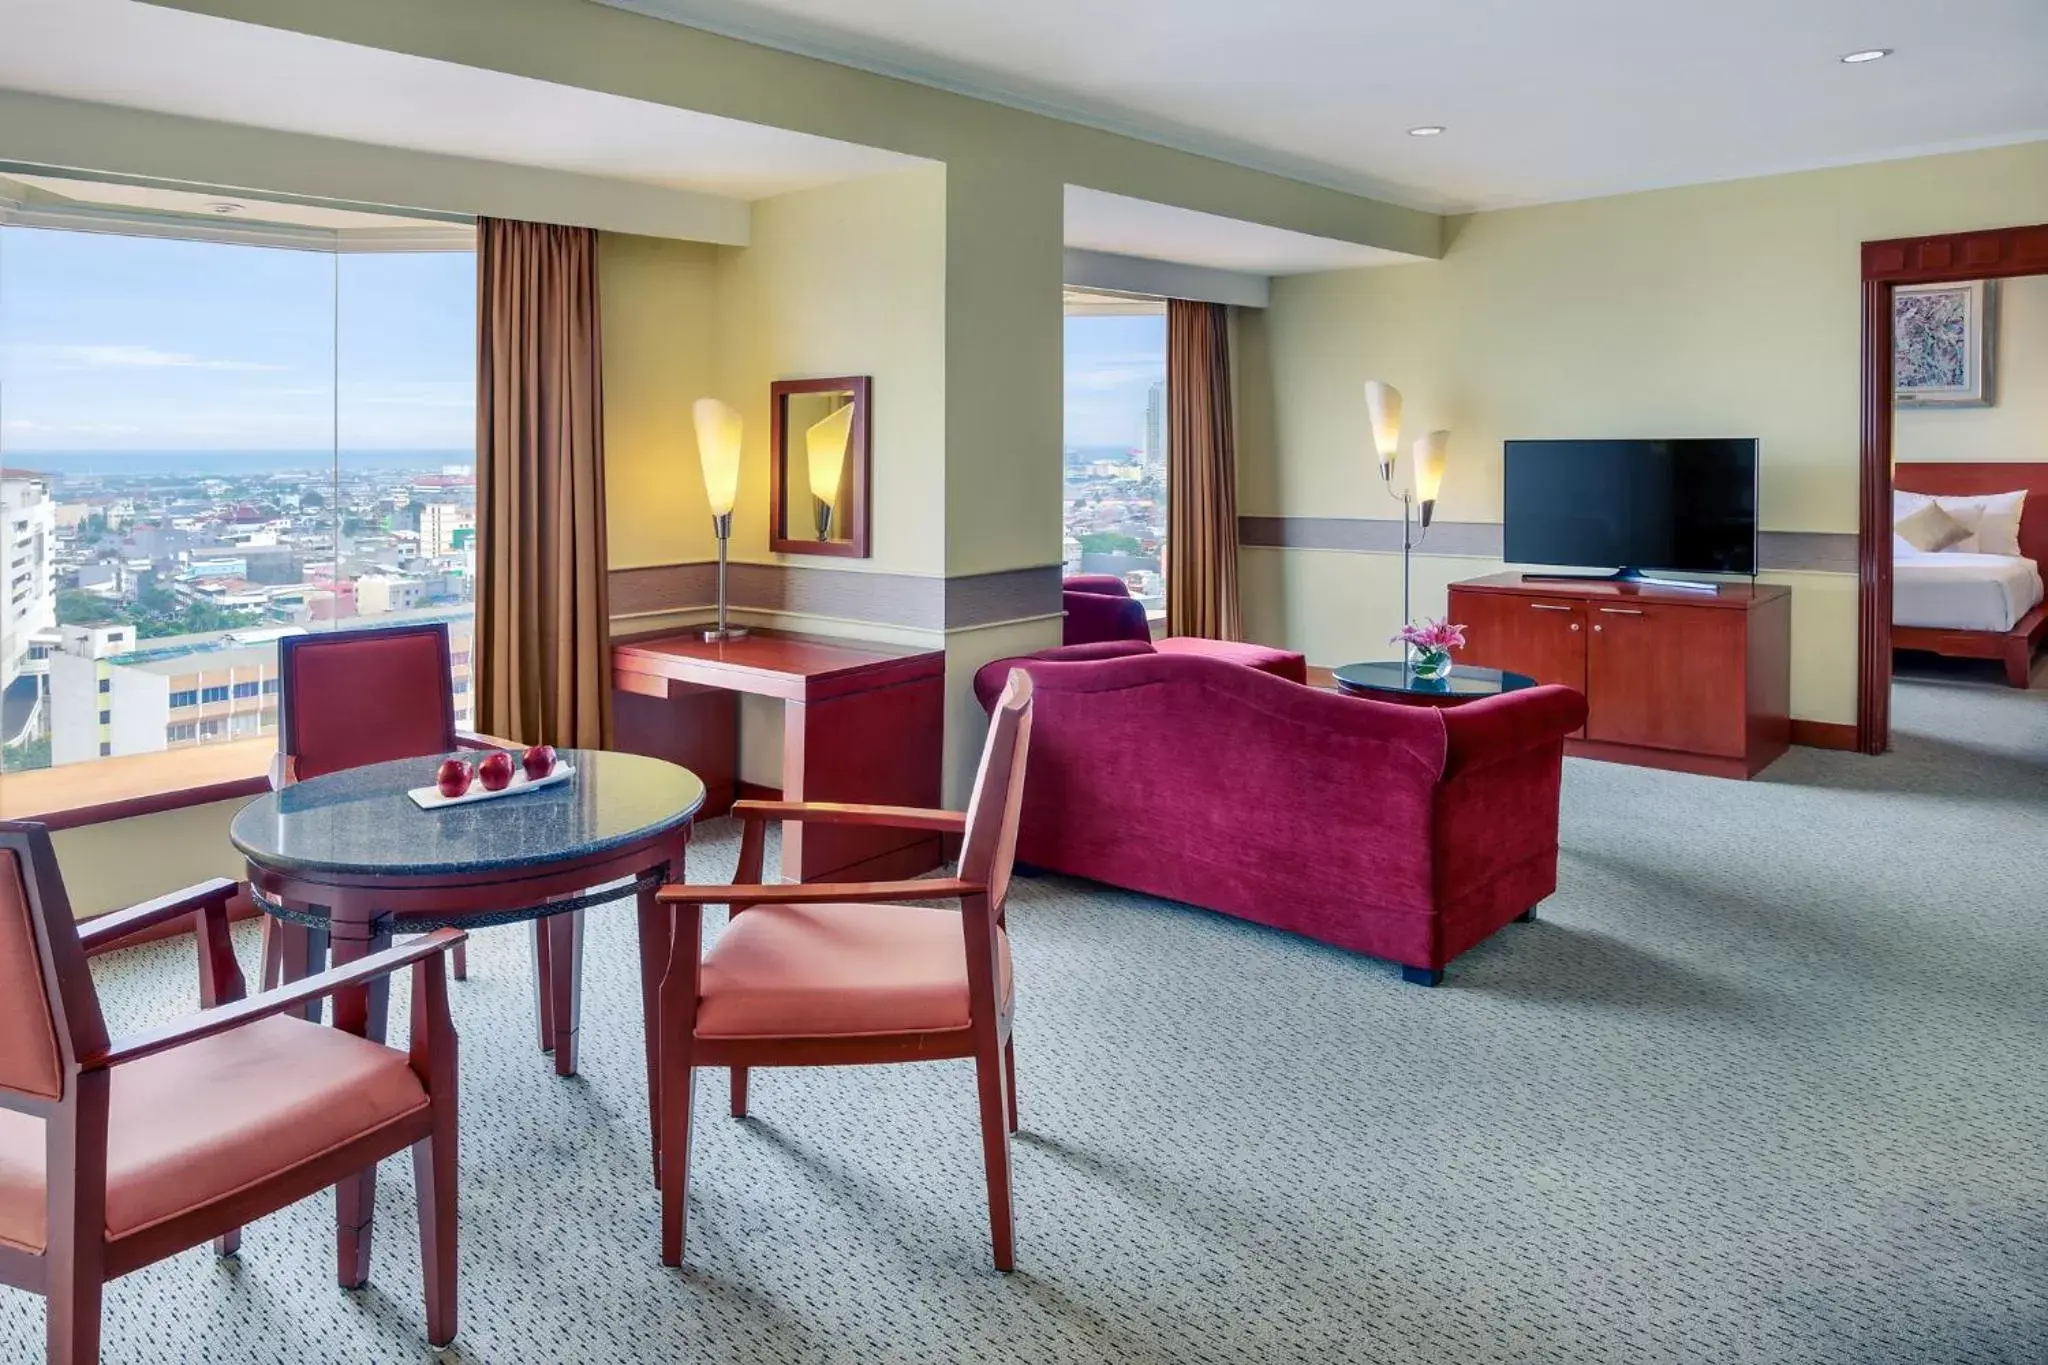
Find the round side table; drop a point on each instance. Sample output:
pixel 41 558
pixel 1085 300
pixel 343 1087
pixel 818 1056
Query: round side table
pixel 1393 680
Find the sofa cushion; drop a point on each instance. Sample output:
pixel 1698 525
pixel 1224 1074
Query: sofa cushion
pixel 1281 663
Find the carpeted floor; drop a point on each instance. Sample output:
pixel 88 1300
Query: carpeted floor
pixel 1768 1082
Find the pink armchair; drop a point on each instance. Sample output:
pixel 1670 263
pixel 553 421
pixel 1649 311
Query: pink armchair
pixel 115 1153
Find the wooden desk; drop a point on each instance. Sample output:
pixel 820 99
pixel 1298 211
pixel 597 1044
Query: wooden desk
pixel 862 722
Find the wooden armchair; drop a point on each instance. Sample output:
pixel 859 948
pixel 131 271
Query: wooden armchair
pixel 348 698
pixel 117 1153
pixel 829 974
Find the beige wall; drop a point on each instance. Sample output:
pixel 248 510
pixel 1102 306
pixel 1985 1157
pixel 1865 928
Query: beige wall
pixel 2015 426
pixel 125 862
pixel 1715 310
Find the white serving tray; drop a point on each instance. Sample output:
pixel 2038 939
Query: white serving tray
pixel 430 798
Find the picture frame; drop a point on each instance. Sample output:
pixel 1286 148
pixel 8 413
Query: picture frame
pixel 1944 344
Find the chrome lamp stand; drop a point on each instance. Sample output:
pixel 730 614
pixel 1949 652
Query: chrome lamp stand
pixel 722 527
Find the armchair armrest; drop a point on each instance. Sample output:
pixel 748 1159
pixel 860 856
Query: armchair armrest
pixel 834 813
pixel 812 893
pixel 202 898
pixel 471 739
pixel 210 1023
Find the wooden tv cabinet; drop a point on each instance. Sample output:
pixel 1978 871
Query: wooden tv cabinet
pixel 1696 681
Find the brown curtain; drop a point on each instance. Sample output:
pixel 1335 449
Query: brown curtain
pixel 543 652
pixel 1201 487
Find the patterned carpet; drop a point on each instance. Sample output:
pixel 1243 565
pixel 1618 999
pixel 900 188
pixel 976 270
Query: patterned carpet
pixel 1766 1083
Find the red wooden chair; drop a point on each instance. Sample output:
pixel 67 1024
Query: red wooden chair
pixel 348 698
pixel 823 974
pixel 118 1153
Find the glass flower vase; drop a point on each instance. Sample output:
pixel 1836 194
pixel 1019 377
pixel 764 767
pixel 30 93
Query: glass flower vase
pixel 1429 665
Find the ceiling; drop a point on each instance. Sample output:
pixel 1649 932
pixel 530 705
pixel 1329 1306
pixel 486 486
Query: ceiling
pixel 1096 221
pixel 1545 101
pixel 173 62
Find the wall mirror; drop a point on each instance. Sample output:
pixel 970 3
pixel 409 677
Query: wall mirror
pixel 818 466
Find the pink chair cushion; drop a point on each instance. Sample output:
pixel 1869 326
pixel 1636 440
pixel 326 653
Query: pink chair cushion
pixel 815 971
pixel 188 1126
pixel 1281 663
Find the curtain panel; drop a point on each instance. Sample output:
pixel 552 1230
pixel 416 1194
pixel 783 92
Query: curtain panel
pixel 543 653
pixel 1201 488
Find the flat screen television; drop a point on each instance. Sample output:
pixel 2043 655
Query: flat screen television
pixel 1687 506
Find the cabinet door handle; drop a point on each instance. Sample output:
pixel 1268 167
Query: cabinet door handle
pixel 1548 606
pixel 1596 629
pixel 1622 611
pixel 1575 626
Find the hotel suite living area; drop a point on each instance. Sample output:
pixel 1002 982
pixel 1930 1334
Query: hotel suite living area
pixel 904 682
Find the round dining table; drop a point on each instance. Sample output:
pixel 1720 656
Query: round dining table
pixel 349 859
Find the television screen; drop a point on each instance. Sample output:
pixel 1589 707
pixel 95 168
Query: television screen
pixel 1686 505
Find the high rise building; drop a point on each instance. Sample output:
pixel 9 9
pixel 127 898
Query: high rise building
pixel 446 528
pixel 1155 426
pixel 28 567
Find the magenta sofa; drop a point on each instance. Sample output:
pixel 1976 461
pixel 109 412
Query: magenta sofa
pixel 1406 832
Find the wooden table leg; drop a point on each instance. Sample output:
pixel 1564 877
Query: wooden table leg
pixel 362 1012
pixel 302 952
pixel 543 983
pixel 565 988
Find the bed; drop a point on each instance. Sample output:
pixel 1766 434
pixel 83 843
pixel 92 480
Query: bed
pixel 1975 606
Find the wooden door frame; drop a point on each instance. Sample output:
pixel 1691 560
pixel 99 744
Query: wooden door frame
pixel 1998 253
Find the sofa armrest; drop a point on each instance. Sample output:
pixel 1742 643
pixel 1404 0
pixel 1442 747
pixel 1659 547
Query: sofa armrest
pixel 991 677
pixel 1496 728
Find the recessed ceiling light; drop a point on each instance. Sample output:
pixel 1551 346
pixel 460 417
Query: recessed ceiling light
pixel 1868 54
pixel 1426 130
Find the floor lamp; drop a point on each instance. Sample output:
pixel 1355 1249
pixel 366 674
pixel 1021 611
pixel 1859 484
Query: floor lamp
pixel 1432 452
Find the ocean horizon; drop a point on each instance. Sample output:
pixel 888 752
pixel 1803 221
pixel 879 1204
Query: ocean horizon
pixel 219 463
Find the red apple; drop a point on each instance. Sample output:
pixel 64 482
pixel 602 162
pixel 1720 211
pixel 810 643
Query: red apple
pixel 538 761
pixel 495 772
pixel 453 779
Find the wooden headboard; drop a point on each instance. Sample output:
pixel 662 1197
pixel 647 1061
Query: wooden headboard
pixel 1974 480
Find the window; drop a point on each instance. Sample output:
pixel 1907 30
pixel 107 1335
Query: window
pixel 1115 497
pixel 106 749
pixel 106 717
pixel 232 443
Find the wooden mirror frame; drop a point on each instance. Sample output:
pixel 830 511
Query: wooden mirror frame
pixel 1999 253
pixel 855 515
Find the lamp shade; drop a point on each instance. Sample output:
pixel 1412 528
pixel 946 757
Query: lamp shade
pixel 718 449
pixel 826 444
pixel 1383 407
pixel 1432 453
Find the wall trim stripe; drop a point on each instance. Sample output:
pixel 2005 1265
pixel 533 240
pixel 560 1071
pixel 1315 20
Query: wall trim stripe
pixel 1781 551
pixel 908 601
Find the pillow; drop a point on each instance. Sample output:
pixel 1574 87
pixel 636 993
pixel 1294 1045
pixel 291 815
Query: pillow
pixel 1930 529
pixel 1905 504
pixel 1992 521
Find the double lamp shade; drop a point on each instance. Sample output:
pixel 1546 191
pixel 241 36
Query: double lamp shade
pixel 1432 452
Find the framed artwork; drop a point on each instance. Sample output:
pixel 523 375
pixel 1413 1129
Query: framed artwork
pixel 1943 340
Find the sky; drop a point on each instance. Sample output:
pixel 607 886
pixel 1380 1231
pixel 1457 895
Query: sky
pixel 141 343
pixel 1112 362
pixel 111 343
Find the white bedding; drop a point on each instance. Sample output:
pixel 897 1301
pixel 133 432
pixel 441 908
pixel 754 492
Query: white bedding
pixel 1951 591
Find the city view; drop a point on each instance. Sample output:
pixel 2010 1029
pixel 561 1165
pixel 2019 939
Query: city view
pixel 1115 450
pixel 181 483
